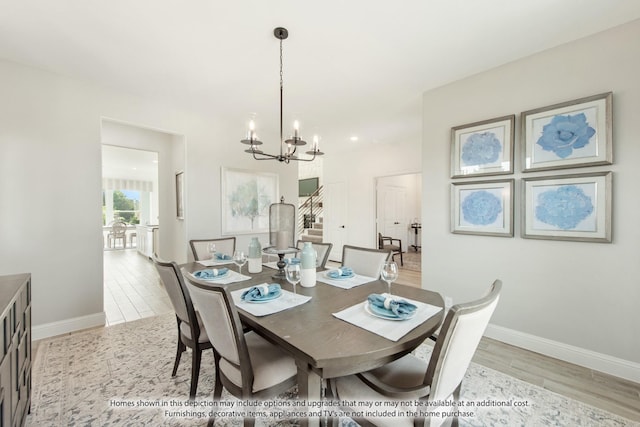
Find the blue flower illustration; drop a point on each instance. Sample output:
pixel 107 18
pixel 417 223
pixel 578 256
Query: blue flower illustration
pixel 481 208
pixel 480 149
pixel 564 133
pixel 564 207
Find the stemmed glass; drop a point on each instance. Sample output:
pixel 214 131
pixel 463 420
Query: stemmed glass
pixel 292 272
pixel 239 258
pixel 389 273
pixel 211 247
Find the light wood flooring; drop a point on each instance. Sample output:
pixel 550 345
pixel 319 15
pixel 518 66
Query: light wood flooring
pixel 132 287
pixel 133 291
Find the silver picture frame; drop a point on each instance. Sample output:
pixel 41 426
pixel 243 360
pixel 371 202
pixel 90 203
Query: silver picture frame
pixel 483 148
pixel 575 207
pixel 571 134
pixel 482 208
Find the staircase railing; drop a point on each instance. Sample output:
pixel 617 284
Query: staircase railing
pixel 309 210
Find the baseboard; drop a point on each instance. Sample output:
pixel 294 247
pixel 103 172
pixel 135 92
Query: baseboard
pixel 68 325
pixel 576 355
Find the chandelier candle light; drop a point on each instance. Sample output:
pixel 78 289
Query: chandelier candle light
pixel 287 147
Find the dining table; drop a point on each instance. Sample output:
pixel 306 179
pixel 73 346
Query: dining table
pixel 325 346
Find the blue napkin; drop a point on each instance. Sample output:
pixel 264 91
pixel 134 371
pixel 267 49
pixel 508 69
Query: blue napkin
pixel 210 273
pixel 395 305
pixel 290 261
pixel 341 272
pixel 223 257
pixel 261 292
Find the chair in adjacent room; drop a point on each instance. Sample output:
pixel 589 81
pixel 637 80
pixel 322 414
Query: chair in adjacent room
pixel 385 242
pixel 322 249
pixel 191 333
pixel 411 378
pixel 118 231
pixel 247 365
pixel 200 247
pixel 365 261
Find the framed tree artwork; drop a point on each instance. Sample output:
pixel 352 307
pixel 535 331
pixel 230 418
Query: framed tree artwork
pixel 246 197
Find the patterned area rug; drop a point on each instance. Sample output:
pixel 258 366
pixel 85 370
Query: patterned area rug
pixel 121 376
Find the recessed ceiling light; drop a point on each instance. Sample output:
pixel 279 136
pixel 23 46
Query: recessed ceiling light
pixel 353 138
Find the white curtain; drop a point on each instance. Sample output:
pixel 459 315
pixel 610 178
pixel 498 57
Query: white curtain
pixel 126 184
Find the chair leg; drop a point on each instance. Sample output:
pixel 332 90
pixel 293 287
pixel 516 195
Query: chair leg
pixel 217 389
pixel 401 260
pixel 196 355
pixel 181 348
pixel 456 399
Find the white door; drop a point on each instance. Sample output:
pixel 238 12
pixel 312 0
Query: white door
pixel 391 208
pixel 335 218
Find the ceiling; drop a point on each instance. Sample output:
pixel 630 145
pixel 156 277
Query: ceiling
pixel 128 163
pixel 351 68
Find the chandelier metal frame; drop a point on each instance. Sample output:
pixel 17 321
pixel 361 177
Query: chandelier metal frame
pixel 288 147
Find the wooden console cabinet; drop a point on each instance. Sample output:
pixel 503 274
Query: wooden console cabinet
pixel 15 349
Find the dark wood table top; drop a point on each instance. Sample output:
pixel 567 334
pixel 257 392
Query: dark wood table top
pixel 329 346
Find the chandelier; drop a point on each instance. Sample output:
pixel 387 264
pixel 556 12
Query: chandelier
pixel 288 147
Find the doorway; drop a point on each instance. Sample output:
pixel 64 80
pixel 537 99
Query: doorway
pixel 149 158
pixel 398 213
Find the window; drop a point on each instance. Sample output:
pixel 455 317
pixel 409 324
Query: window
pixel 122 205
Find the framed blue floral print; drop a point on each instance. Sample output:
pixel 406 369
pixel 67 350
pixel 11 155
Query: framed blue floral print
pixel 483 148
pixel 569 207
pixel 482 208
pixel 571 134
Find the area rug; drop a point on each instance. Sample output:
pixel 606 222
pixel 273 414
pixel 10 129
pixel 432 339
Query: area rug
pixel 121 376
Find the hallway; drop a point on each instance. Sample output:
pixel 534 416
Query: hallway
pixel 132 288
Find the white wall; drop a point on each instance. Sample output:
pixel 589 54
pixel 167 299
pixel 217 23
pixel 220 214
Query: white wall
pixel 576 300
pixel 50 157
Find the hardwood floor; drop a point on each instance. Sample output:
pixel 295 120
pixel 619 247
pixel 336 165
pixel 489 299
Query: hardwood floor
pixel 133 291
pixel 132 287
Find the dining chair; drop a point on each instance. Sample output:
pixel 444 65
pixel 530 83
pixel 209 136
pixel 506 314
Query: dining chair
pixel 118 231
pixel 188 319
pixel 200 247
pixel 323 250
pixel 247 365
pixel 365 261
pixel 386 242
pixel 411 378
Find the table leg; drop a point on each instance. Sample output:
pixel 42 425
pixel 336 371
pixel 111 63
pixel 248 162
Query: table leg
pixel 310 389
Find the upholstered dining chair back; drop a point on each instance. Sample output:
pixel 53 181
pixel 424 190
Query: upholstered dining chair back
pixel 200 247
pixel 247 365
pixel 220 319
pixel 456 344
pixel 412 377
pixel 322 249
pixel 174 285
pixel 365 261
pixel 190 331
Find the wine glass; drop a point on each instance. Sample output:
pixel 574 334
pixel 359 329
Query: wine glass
pixel 292 271
pixel 389 273
pixel 239 258
pixel 211 247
